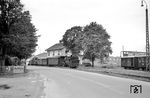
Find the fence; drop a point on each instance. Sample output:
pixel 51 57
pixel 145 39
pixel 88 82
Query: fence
pixel 12 69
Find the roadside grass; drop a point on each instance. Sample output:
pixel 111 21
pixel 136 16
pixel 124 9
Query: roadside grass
pixel 115 69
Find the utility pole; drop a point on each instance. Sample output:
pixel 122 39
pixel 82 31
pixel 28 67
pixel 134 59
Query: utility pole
pixel 147 37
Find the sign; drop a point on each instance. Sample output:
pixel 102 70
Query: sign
pixel 135 89
pixel 14 69
pixel 18 69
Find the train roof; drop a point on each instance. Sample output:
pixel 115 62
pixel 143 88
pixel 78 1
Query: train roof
pixel 133 56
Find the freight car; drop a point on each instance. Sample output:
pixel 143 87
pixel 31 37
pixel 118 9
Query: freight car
pixel 43 62
pixel 46 61
pixel 134 62
pixel 34 61
pixel 55 61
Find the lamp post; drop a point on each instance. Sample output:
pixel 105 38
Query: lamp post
pixel 147 36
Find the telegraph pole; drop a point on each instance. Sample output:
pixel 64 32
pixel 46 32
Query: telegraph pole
pixel 147 37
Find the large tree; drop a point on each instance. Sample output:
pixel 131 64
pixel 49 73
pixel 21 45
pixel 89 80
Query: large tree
pixel 17 33
pixel 92 39
pixel 95 42
pixel 23 37
pixel 70 39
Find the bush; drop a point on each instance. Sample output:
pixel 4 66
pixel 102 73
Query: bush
pixel 9 61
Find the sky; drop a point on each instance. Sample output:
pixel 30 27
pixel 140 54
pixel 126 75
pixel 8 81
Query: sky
pixel 124 21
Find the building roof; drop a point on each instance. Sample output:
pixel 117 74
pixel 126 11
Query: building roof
pixel 57 46
pixel 41 55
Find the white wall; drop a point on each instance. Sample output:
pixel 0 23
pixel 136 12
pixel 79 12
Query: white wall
pixel 61 52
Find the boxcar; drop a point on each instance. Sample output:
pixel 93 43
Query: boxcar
pixel 134 62
pixel 33 62
pixel 55 61
pixel 39 61
pixel 141 62
pixel 52 61
pixel 127 62
pixel 44 61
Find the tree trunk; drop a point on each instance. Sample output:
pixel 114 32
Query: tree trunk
pixel 92 63
pixel 93 59
pixel 2 59
pixel 2 64
pixel 101 60
pixel 25 66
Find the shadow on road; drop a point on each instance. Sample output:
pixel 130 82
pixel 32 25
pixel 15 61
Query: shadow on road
pixel 4 87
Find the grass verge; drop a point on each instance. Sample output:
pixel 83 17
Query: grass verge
pixel 119 72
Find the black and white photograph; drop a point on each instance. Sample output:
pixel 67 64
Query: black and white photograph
pixel 74 49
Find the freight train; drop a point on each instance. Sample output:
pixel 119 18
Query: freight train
pixel 64 61
pixel 134 62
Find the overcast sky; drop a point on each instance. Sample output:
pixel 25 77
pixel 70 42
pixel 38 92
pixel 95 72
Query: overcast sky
pixel 124 20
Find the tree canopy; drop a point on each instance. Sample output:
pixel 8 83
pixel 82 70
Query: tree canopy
pixel 70 39
pixel 17 33
pixel 95 42
pixel 92 39
pixel 23 37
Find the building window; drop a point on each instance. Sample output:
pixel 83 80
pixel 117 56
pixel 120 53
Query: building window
pixel 58 52
pixel 48 53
